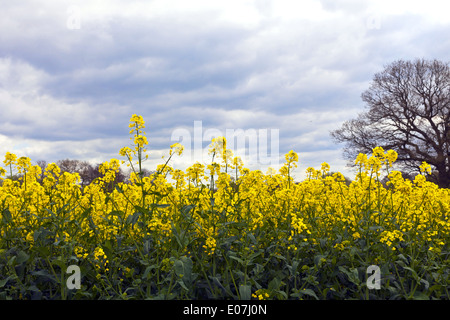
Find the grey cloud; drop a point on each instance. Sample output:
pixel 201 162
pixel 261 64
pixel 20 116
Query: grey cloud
pixel 302 76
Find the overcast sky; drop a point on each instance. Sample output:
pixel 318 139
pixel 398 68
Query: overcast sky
pixel 73 72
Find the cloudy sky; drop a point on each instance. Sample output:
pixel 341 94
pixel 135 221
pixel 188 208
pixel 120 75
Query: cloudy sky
pixel 73 72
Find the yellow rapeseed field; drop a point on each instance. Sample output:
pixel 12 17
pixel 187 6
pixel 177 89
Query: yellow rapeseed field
pixel 222 230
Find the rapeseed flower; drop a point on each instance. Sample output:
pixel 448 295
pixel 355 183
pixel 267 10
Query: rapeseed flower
pixel 425 168
pixel 176 148
pixel 200 206
pixel 261 294
pixel 10 159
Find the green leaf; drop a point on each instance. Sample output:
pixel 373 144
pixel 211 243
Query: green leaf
pixel 234 224
pixel 293 268
pixel 45 274
pixel 12 261
pixel 52 214
pixel 216 281
pixel 6 216
pixel 109 251
pixel 255 254
pixel 275 284
pixel 305 292
pixel 4 281
pixel 400 263
pixel 132 219
pixel 352 274
pixel 239 274
pixel 435 287
pixel 33 288
pixel 237 259
pixel 119 189
pixel 281 295
pixel 318 258
pixel 182 284
pixel 403 258
pixel 161 206
pixel 252 238
pixel 374 228
pixel 186 209
pixel 426 283
pixel 323 242
pixel 279 257
pixel 60 263
pixel 117 213
pixel 43 251
pixel 147 274
pixel 420 296
pixel 22 257
pixel 414 273
pixel 245 291
pixel 183 269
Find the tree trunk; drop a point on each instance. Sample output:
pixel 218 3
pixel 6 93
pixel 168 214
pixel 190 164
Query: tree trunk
pixel 444 176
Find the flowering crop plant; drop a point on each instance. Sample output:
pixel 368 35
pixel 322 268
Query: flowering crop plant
pixel 222 231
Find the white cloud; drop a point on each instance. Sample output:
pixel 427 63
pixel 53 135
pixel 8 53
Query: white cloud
pixel 299 66
pixel 434 11
pixel 17 76
pixel 38 125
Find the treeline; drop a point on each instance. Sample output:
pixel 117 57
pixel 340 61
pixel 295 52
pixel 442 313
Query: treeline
pixel 87 171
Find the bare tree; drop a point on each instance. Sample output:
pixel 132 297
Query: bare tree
pixel 119 176
pixel 87 172
pixel 42 164
pixel 408 110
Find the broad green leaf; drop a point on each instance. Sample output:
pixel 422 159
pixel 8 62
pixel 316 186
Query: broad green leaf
pixel 305 292
pixel 245 291
pixel 120 214
pixel 60 263
pixel 182 284
pixel 4 281
pixel 426 283
pixel 352 274
pixel 132 219
pixel 119 189
pixel 414 273
pixel 45 274
pixel 22 257
pixel 255 254
pixel 43 251
pixel 147 274
pixel 275 284
pixel 186 209
pixel 6 216
pixel 33 288
pixel 237 259
pixel 318 258
pixel 161 206
pixel 183 269
pixel 420 296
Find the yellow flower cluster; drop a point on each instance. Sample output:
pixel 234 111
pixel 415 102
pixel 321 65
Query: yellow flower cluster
pixel 388 237
pixel 261 294
pixel 221 194
pixel 210 245
pixel 80 252
pixel 100 257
